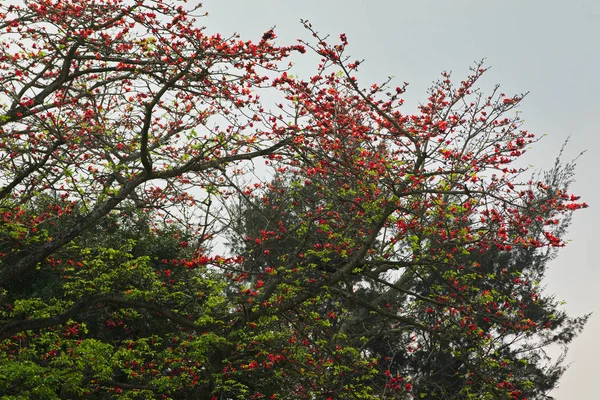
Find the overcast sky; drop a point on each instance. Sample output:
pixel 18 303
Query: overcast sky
pixel 549 48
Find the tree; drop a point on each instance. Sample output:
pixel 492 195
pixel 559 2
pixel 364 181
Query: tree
pixel 437 364
pixel 127 133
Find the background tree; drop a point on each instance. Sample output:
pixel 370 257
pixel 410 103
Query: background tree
pixel 125 132
pixel 437 362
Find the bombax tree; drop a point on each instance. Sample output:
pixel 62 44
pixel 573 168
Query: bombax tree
pixel 127 133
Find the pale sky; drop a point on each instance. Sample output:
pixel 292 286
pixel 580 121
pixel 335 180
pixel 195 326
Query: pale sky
pixel 550 48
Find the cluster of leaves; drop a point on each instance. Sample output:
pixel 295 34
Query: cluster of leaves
pixel 392 256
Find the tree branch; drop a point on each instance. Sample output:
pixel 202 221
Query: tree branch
pixel 12 329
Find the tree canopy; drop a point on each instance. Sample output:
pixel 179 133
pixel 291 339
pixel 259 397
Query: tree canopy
pixel 385 255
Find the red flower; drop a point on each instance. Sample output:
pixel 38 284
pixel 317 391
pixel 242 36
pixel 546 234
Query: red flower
pixel 268 35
